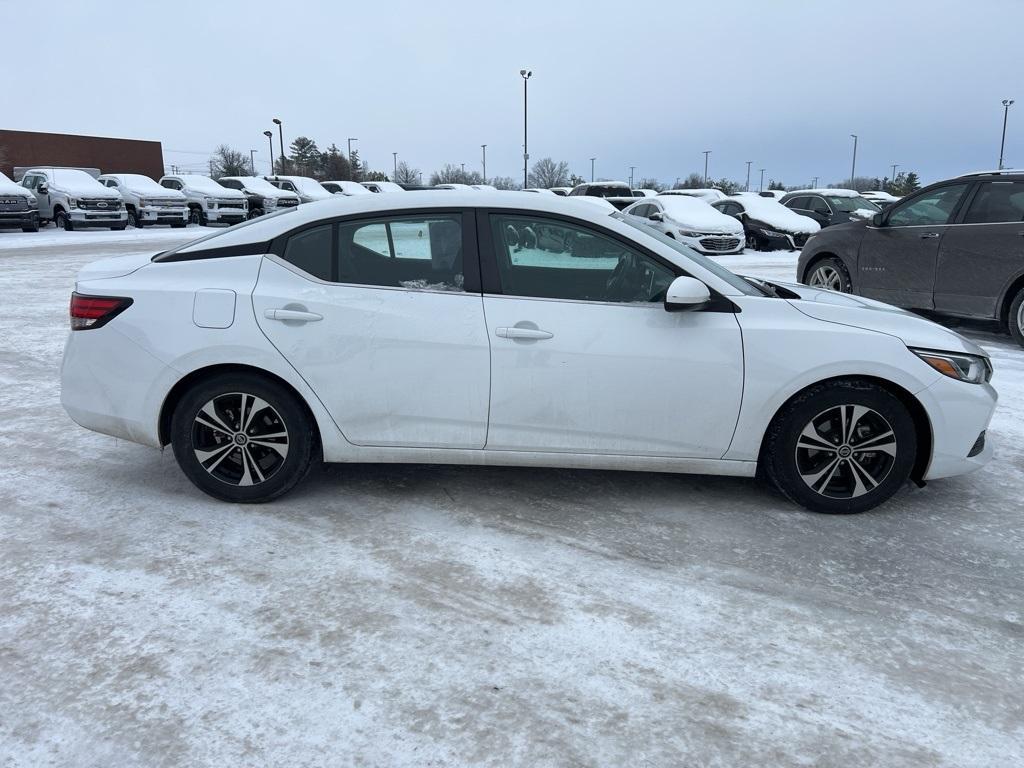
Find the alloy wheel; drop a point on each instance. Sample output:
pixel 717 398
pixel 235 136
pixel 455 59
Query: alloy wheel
pixel 240 439
pixel 828 277
pixel 846 451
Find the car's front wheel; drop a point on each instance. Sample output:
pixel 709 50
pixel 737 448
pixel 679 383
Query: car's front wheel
pixel 242 438
pixel 830 273
pixel 1016 318
pixel 841 447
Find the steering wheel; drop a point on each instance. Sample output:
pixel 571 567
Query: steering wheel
pixel 625 280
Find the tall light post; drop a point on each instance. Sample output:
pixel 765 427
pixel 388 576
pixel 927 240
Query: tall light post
pixel 394 156
pixel 1007 103
pixel 526 74
pixel 270 138
pixel 631 169
pixel 814 183
pixel 747 188
pixel 352 171
pixel 892 179
pixel 483 147
pixel 252 161
pixel 853 166
pixel 592 169
pixel 280 135
pixel 706 153
pixel 761 187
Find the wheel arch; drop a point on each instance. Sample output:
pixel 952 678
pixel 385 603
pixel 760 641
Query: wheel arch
pixel 817 259
pixel 918 414
pixel 194 377
pixel 1015 287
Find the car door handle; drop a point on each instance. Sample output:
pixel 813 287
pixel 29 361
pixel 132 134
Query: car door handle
pixel 293 315
pixel 926 235
pixel 522 333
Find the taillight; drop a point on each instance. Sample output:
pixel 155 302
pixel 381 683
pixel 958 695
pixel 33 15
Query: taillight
pixel 94 311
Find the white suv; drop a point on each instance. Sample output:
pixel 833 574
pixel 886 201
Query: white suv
pixel 145 201
pixel 207 200
pixel 72 198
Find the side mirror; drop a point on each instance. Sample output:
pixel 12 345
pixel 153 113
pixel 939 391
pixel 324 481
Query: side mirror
pixel 43 188
pixel 685 294
pixel 656 217
pixel 878 220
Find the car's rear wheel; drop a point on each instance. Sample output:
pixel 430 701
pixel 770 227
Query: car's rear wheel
pixel 841 447
pixel 242 438
pixel 1016 318
pixel 830 273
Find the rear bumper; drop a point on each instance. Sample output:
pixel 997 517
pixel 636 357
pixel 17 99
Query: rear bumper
pixel 959 413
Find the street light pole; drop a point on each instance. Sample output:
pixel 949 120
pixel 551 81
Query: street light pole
pixel 352 171
pixel 526 74
pixel 631 169
pixel 270 138
pixel 252 161
pixel 706 153
pixel 592 169
pixel 484 148
pixel 761 188
pixel 892 179
pixel 814 184
pixel 394 155
pixel 1007 103
pixel 280 134
pixel 853 167
pixel 747 188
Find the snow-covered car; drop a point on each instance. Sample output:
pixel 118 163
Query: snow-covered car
pixel 767 224
pixel 345 188
pixel 383 186
pixel 18 206
pixel 454 185
pixel 208 202
pixel 691 221
pixel 830 206
pixel 561 191
pixel 145 201
pixel 618 193
pixel 707 195
pixel 379 329
pixel 484 187
pixel 776 194
pixel 541 191
pixel 645 192
pixel 262 196
pixel 880 198
pixel 72 198
pixel 306 188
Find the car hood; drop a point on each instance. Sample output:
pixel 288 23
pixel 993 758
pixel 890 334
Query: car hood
pixel 10 189
pixel 859 312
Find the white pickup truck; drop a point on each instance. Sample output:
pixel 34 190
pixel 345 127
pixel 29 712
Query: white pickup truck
pixel 208 201
pixel 146 201
pixel 72 198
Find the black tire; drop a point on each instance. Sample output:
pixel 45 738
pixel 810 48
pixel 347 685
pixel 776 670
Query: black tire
pixel 830 273
pixel 753 241
pixel 62 221
pixel 224 473
pixel 196 216
pixel 31 228
pixel 808 458
pixel 133 219
pixel 1016 318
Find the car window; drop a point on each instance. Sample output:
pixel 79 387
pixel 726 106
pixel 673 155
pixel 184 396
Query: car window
pixel 31 182
pixel 552 259
pixel 310 251
pixel 230 183
pixel 643 210
pixel 797 202
pixel 850 204
pixel 997 202
pixel 931 208
pixel 818 205
pixel 419 253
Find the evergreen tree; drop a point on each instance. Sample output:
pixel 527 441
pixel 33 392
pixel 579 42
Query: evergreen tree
pixel 304 156
pixel 334 166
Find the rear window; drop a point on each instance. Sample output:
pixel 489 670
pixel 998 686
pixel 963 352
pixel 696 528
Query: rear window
pixel 251 232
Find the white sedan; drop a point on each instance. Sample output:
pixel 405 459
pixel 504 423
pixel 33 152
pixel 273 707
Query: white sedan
pixel 418 329
pixel 691 221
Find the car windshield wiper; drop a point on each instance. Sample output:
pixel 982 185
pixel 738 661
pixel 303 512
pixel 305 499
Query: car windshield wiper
pixel 766 288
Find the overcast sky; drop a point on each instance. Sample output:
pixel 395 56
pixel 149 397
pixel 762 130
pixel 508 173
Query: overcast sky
pixel 650 84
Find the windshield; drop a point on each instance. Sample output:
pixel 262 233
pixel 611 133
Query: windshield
pixel 608 190
pixel 848 204
pixel 140 182
pixel 309 186
pixel 204 184
pixel 711 266
pixel 254 184
pixel 72 176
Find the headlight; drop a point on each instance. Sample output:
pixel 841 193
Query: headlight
pixel 72 203
pixel 969 368
pixel 686 233
pixel 772 233
pixel 143 202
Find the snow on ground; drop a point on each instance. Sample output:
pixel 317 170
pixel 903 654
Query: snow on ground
pixel 417 615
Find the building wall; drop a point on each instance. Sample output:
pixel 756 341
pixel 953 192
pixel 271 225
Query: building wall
pixel 28 149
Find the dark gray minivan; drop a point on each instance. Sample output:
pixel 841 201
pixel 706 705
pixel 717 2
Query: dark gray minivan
pixel 954 248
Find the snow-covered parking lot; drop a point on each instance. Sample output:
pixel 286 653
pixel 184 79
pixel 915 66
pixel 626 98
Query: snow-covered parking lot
pixel 418 615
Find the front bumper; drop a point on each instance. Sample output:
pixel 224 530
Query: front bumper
pixel 715 245
pixel 959 413
pixel 152 214
pixel 94 218
pixel 227 215
pixel 19 218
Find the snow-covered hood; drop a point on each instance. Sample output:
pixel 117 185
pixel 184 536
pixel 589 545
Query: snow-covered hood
pixel 10 189
pixel 80 185
pixel 693 214
pixel 859 312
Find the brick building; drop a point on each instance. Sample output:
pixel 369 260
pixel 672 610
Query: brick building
pixel 28 149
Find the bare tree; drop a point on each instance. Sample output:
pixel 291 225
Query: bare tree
pixel 229 162
pixel 546 173
pixel 651 184
pixel 504 182
pixel 454 174
pixel 693 181
pixel 407 174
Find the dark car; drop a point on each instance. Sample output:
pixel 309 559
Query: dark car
pixel 829 206
pixel 618 193
pixel 954 248
pixel 767 226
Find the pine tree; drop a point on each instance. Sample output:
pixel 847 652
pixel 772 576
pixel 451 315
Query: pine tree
pixel 334 166
pixel 304 156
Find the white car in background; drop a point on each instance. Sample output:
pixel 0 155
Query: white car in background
pixel 691 221
pixel 72 198
pixel 880 198
pixel 383 186
pixel 208 202
pixel 767 224
pixel 395 330
pixel 146 202
pixel 561 191
pixel 306 188
pixel 454 185
pixel 707 195
pixel 484 187
pixel 345 188
pixel 541 191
